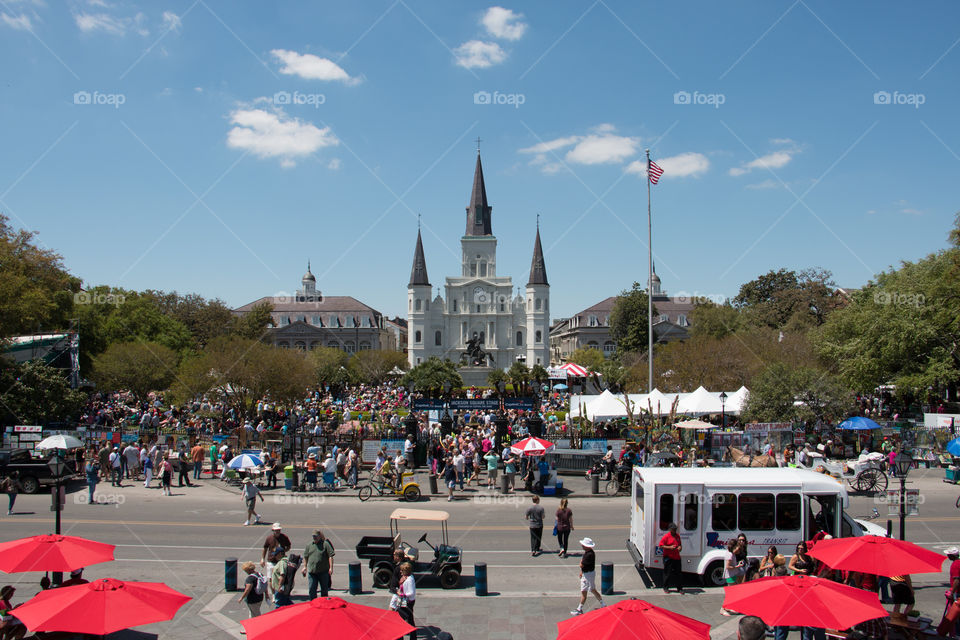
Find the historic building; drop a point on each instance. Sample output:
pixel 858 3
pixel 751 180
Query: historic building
pixel 309 319
pixel 590 328
pixel 479 304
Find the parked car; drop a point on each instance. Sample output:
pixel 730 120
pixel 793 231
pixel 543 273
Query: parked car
pixel 34 472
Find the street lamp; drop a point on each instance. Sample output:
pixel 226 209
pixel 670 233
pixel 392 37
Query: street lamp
pixel 411 421
pixel 903 463
pixel 58 468
pixel 501 421
pixel 723 409
pixel 535 422
pixel 446 422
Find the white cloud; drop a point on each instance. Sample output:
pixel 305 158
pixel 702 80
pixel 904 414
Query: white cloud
pixel 504 23
pixel 91 22
pixel 269 134
pixel 198 89
pixel 551 145
pixel 334 164
pixel 774 160
pixel 171 21
pixel 311 67
pixel 604 127
pixel 479 55
pixel 21 22
pixel 603 149
pixel 683 165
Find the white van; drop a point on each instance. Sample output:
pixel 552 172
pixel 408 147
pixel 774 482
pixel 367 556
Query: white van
pixel 778 507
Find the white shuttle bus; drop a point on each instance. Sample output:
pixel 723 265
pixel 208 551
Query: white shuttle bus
pixel 777 507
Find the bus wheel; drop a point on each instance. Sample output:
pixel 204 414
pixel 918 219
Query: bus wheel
pixel 713 576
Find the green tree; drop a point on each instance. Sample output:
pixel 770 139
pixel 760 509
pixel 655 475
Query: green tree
pixel 612 374
pixel 35 393
pixel 714 320
pixel 787 299
pixel 628 320
pixel 496 376
pixel 429 376
pixel 253 324
pixel 539 374
pixel 518 374
pixel 587 357
pixel 774 394
pixel 138 367
pixel 204 319
pixel 36 291
pixel 138 318
pixel 330 366
pixel 374 366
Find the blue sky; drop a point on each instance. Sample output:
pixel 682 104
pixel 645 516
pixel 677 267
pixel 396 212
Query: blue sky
pixel 213 147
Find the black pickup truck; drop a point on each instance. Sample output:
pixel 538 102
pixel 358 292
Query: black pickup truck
pixel 34 472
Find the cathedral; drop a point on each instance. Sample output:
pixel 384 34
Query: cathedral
pixel 478 305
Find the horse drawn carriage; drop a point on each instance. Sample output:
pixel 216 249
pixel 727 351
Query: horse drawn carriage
pixel 865 474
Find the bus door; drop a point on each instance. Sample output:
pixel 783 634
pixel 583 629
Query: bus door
pixel 664 511
pixel 823 513
pixel 690 525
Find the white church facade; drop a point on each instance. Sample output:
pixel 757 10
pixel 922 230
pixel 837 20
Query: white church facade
pixel 479 304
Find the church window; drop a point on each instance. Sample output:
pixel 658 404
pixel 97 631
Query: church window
pixel 418 305
pixel 437 339
pixel 332 344
pixel 478 214
pixel 314 344
pixel 283 345
pixel 592 345
pixel 454 305
pixel 473 269
pixel 483 269
pixel 538 361
pixel 482 338
pixel 519 338
pixel 539 305
pixel 418 337
pixel 478 308
pixel 503 307
pixel 539 337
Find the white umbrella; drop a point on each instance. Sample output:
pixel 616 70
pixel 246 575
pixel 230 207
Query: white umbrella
pixel 695 424
pixel 59 442
pixel 245 461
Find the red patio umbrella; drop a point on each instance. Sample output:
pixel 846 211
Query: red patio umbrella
pixel 52 553
pixel 532 447
pixel 879 555
pixel 100 607
pixel 803 601
pixel 327 618
pixel 632 620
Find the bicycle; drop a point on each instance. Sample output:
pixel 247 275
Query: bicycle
pixel 409 490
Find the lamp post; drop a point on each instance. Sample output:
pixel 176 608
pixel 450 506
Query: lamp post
pixel 903 463
pixel 58 469
pixel 723 409
pixel 501 421
pixel 535 422
pixel 446 422
pixel 410 423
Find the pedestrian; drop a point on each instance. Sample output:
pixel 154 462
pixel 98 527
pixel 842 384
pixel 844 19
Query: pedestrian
pixel 214 454
pixel 408 450
pixel 751 628
pixel 116 471
pixel 534 518
pixel 146 463
pixel 252 592
pixel 196 457
pixel 76 577
pixel 901 588
pixel 671 545
pixel 407 597
pixel 492 461
pixel 770 562
pixel 510 469
pixel 11 486
pixel 250 493
pixel 458 464
pixel 743 556
pixel 801 563
pixel 588 575
pixel 92 470
pixel 131 456
pixel 564 526
pixel 450 477
pixel 275 546
pixel 166 479
pixel 10 627
pixel 731 570
pixel 318 564
pixel 184 466
pixel 282 577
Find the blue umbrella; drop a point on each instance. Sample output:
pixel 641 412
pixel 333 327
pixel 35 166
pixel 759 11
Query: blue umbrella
pixel 560 386
pixel 859 423
pixel 245 461
pixel 953 447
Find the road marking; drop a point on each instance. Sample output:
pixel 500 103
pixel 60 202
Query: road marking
pixel 212 614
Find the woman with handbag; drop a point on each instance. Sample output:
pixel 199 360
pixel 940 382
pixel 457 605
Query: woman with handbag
pixel 406 597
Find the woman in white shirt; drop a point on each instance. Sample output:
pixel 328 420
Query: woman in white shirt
pixel 408 591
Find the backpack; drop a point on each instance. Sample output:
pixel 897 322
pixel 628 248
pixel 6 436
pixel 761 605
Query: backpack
pixel 261 587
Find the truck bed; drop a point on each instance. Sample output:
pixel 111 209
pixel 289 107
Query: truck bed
pixel 375 547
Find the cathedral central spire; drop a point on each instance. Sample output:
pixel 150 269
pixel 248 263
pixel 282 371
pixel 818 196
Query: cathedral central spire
pixel 478 211
pixel 418 274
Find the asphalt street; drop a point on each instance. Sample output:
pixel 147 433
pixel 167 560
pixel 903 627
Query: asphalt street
pixel 183 540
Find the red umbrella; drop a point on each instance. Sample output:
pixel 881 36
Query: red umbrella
pixel 100 607
pixel 879 555
pixel 52 553
pixel 632 620
pixel 532 447
pixel 328 617
pixel 803 601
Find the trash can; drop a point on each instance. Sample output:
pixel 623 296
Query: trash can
pixel 595 484
pixel 288 477
pixel 433 484
pixel 504 483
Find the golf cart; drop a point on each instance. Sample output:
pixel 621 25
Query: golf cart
pixel 446 562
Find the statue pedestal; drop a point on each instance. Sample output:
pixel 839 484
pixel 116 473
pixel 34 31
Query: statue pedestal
pixel 475 376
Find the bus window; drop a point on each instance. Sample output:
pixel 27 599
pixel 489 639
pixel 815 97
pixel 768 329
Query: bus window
pixel 724 511
pixel 756 512
pixel 639 493
pixel 666 511
pixel 788 512
pixel 823 512
pixel 691 511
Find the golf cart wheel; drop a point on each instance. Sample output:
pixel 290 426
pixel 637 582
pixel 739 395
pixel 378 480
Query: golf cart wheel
pixel 450 579
pixel 411 494
pixel 713 576
pixel 382 577
pixel 365 493
pixel 612 488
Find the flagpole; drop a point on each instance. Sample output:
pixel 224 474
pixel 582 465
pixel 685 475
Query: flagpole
pixel 649 285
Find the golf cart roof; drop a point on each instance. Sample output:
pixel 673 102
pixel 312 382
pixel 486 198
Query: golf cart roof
pixel 419 514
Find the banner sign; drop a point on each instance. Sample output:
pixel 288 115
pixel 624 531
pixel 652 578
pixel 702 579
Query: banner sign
pixel 370 448
pixel 473 404
pixel 766 427
pixel 27 429
pixel 428 404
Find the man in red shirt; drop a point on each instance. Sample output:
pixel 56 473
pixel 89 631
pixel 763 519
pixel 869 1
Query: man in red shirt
pixel 953 553
pixel 671 546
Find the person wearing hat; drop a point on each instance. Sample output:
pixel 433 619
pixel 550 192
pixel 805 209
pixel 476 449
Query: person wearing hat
pixel 953 553
pixel 588 575
pixel 250 493
pixel 76 577
pixel 318 563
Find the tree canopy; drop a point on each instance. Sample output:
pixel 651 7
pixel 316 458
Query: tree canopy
pixel 138 367
pixel 628 320
pixel 428 376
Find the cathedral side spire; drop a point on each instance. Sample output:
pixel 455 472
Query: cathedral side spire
pixel 478 211
pixel 418 274
pixel 538 270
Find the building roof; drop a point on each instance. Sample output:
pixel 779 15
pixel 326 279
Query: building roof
pixel 478 211
pixel 418 273
pixel 329 304
pixel 308 276
pixel 538 270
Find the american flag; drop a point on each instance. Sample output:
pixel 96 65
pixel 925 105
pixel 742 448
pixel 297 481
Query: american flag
pixel 654 172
